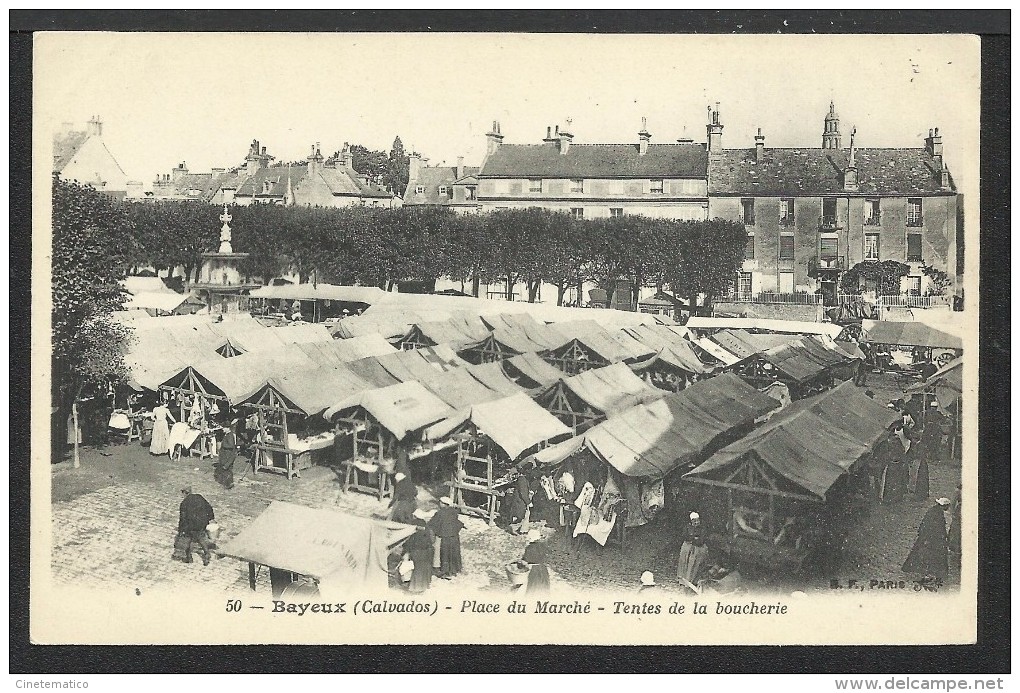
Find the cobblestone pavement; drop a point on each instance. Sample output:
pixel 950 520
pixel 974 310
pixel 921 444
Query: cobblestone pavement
pixel 115 518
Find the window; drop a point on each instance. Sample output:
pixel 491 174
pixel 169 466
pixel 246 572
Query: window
pixel 914 247
pixel 577 212
pixel 442 191
pixel 872 212
pixel 534 185
pixel 786 212
pixel 655 185
pixel 749 248
pixel 828 212
pixel 744 283
pixel 786 282
pixel 871 246
pixel 914 286
pixel 470 192
pixel 747 212
pixel 786 247
pixel 419 190
pixel 576 185
pixel 914 211
pixel 616 212
pixel 828 249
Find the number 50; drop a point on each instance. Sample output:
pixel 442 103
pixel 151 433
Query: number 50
pixel 233 605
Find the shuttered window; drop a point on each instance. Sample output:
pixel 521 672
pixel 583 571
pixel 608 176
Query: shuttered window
pixel 749 248
pixel 829 248
pixel 914 247
pixel 786 247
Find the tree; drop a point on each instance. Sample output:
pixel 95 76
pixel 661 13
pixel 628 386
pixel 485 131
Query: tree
pixel 175 233
pixel 516 239
pixel 93 242
pixel 937 279
pixel 886 274
pixel 369 162
pixel 398 168
pixel 702 257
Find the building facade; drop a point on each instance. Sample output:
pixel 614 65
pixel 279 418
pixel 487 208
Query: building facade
pixel 811 214
pixel 81 155
pixel 453 187
pixel 595 180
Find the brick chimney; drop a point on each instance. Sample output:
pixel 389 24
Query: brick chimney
pixel 565 138
pixel 493 139
pixel 413 165
pixel 253 161
pixel 759 147
pixel 643 137
pixel 944 180
pixel 346 157
pixel 714 129
pixel 460 168
pixel 180 171
pixel 933 144
pixel 315 159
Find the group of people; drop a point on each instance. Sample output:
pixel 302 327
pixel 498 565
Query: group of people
pixel 900 465
pixel 434 549
pixel 161 441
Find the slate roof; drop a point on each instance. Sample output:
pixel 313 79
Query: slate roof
pixel 341 181
pixel 808 171
pixel 597 161
pixel 430 178
pixel 65 146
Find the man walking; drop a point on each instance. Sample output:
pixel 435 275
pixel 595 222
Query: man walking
pixel 196 514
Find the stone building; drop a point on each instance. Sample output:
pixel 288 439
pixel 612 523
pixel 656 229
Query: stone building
pixel 82 155
pixel 812 213
pixel 454 187
pixel 595 180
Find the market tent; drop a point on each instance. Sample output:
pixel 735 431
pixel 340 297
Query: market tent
pixel 337 352
pixel 515 424
pixel 532 370
pixel 493 377
pixel 372 371
pixel 311 391
pixel 763 325
pixel 332 547
pixel 391 323
pixel 457 332
pixel 909 334
pixel 745 344
pixel 510 321
pixel 610 345
pixel 809 445
pixel 725 357
pixel 151 300
pixel 504 342
pixel 946 382
pixel 608 390
pixel 238 378
pixel 399 408
pixel 670 345
pixel 805 359
pixel 403 366
pixel 459 389
pixel 324 292
pixel 145 285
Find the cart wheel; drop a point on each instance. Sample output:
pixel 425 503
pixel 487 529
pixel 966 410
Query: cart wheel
pixel 943 359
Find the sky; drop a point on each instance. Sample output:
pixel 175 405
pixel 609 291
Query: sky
pixel 202 98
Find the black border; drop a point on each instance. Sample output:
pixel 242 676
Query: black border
pixel 989 655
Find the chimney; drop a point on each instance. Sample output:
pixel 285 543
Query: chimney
pixel 549 138
pixel 565 138
pixel 413 165
pixel 315 159
pixel 134 189
pixel 252 161
pixel 944 181
pixel 643 137
pixel 180 171
pixel 714 129
pixel 460 167
pixel 850 182
pixel 933 144
pixel 493 139
pixel 346 157
pixel 95 127
pixel 759 147
pixel 217 170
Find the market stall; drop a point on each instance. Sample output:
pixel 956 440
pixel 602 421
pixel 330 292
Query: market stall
pixel 923 342
pixel 589 345
pixel 491 437
pixel 493 376
pixel 582 400
pixel 376 421
pixel 807 365
pixel 289 435
pixel 506 341
pixel 457 331
pixel 531 371
pixel 459 388
pixel 317 552
pixel 784 490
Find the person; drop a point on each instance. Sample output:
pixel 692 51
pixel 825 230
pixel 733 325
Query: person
pixel 405 499
pixel 648 582
pixel 446 525
pixel 930 555
pixel 861 373
pixel 161 417
pixel 934 422
pixel 954 528
pixel 693 553
pixel 517 504
pixel 919 454
pixel 536 556
pixel 894 481
pixel 196 514
pixel 224 466
pixel 420 551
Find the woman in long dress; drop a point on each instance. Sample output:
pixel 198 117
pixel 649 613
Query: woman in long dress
pixel 224 472
pixel 447 525
pixel 536 557
pixel 420 551
pixel 693 553
pixel 161 416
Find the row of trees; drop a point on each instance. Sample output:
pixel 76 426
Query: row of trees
pixel 381 247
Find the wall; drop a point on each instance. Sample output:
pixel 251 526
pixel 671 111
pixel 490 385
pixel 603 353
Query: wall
pixel 92 159
pixel 660 210
pixel 770 311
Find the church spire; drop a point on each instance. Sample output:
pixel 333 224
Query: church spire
pixel 830 134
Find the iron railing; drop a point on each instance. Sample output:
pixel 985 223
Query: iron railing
pixel 774 297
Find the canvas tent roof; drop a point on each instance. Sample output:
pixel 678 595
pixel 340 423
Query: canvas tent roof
pixel 311 391
pixel 610 389
pixel 514 423
pixel 908 334
pixel 328 292
pixel 399 408
pixel 460 389
pixel 534 368
pixel 156 300
pixel 493 377
pixel 652 439
pixel 319 543
pixel 780 326
pixel 669 346
pixel 744 344
pixel 239 377
pixel 337 352
pixel 611 345
pixel 947 380
pixel 812 442
pixel 727 358
pixel 805 358
pixel 457 331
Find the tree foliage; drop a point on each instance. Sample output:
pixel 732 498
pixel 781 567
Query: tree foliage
pixel 702 257
pixel 886 274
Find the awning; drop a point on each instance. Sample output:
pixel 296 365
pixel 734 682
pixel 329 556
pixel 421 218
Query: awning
pixel 399 408
pixel 916 334
pixel 781 326
pixel 327 292
pixel 459 389
pixel 946 382
pixel 493 377
pixel 609 390
pixel 312 391
pixel 329 546
pixel 148 300
pixel 534 368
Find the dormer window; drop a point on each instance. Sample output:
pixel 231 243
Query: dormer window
pixel 576 185
pixel 267 187
pixel 442 191
pixel 470 192
pixel 419 190
pixel 655 185
pixel 535 185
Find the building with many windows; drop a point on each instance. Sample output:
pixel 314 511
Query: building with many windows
pixel 595 180
pixel 813 213
pixel 454 187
